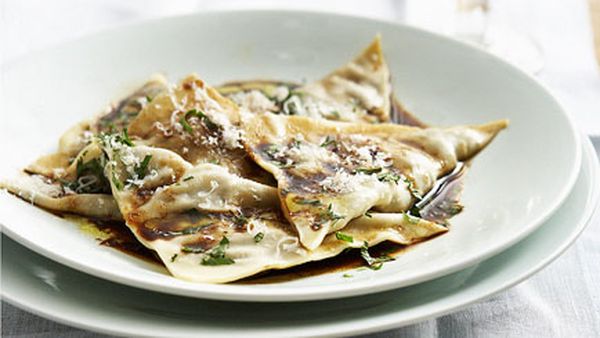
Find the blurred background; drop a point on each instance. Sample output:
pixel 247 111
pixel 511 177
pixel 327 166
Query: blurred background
pixel 551 39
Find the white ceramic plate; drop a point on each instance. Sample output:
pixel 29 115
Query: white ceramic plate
pixel 514 185
pixel 59 293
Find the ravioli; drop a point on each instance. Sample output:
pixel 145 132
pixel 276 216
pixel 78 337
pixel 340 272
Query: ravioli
pixel 224 184
pixel 200 125
pixel 360 91
pixel 71 179
pixel 329 173
pixel 209 225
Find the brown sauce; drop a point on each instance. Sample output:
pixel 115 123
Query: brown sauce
pixel 437 206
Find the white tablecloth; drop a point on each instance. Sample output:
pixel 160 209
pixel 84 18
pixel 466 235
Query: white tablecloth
pixel 561 301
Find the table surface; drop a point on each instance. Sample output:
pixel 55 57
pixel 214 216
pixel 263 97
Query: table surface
pixel 563 300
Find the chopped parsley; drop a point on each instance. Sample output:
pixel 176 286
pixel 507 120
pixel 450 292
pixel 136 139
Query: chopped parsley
pixel 148 99
pixel 90 177
pixel 124 138
pixel 328 141
pixel 259 237
pixel 192 249
pixel 217 256
pixel 174 257
pixel 344 237
pixel 374 263
pixel 210 125
pixel 307 201
pixel 274 153
pixel 389 177
pixel 116 182
pixel 240 220
pixel 368 171
pixel 368 214
pixel 347 275
pixel 205 119
pixel 142 169
pixel 329 215
pixel 186 231
pixel 188 178
pixel 412 189
pixel 184 123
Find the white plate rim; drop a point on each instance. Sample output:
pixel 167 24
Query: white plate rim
pixel 391 322
pixel 247 293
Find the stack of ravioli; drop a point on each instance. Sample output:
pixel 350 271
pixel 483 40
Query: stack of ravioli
pixel 225 183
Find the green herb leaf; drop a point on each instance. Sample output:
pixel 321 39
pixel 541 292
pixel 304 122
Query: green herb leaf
pixel 124 138
pixel 217 255
pixel 205 119
pixel 142 169
pixel 344 237
pixel 328 141
pixel 259 237
pixel 117 183
pixel 368 214
pixel 374 263
pixel 192 249
pixel 389 177
pixel 186 126
pixel 347 275
pixel 188 178
pixel 368 171
pixel 240 219
pixel 307 201
pixel 186 231
pixel 412 189
pixel 174 257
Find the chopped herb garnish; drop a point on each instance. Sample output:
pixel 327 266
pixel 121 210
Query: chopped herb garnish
pixel 117 183
pixel 344 237
pixel 90 177
pixel 307 201
pixel 389 177
pixel 240 220
pixel 328 141
pixel 184 123
pixel 205 119
pixel 186 231
pixel 273 151
pixel 295 143
pixel 148 99
pixel 289 106
pixel 217 255
pixel 142 169
pixel 259 237
pixel 374 263
pixel 192 249
pixel 188 178
pixel 124 138
pixel 412 189
pixel 328 215
pixel 368 171
pixel 368 214
pixel 215 161
pixel 347 275
pixel 334 114
pixel 174 257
